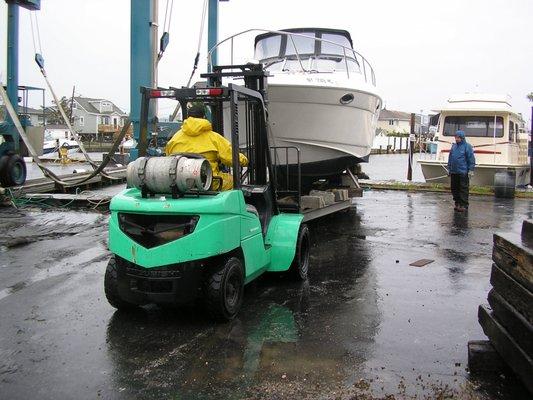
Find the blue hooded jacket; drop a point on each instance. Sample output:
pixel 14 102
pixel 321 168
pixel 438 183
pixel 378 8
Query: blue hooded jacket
pixel 461 159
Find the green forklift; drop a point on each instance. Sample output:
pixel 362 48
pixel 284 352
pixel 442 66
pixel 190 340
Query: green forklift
pixel 175 240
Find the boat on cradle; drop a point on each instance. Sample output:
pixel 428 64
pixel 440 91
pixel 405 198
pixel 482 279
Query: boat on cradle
pixel 322 97
pixel 56 137
pixel 495 131
pixel 52 146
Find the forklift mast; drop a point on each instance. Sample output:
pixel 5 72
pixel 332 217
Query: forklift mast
pixel 248 100
pixel 256 116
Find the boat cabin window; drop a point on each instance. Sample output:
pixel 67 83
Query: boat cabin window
pixel 512 131
pixel 268 48
pixel 473 126
pixel 329 48
pixel 304 45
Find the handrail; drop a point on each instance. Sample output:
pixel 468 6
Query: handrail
pixel 297 55
pixel 291 34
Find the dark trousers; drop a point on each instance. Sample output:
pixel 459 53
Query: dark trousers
pixel 460 184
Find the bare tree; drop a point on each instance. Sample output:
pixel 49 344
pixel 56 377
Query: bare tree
pixel 54 115
pixel 530 96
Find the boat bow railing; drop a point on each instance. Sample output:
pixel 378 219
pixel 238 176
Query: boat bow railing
pixel 365 68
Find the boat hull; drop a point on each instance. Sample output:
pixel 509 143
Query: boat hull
pixel 434 172
pixel 53 149
pixel 331 136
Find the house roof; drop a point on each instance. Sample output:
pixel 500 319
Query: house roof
pixel 479 102
pixel 385 115
pixel 87 104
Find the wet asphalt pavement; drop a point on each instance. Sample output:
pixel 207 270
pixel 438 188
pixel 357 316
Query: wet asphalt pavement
pixel 365 325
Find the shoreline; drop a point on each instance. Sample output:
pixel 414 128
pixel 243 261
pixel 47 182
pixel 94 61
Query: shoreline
pixel 435 187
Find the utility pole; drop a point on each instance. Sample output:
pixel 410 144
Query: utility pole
pixel 411 148
pixel 72 105
pixel 531 150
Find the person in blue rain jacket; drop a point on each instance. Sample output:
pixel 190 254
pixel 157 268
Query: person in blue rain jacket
pixel 461 163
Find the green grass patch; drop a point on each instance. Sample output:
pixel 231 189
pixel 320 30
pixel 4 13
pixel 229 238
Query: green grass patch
pixel 437 187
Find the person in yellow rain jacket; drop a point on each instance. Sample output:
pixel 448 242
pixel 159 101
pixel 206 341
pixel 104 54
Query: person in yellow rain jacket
pixel 196 136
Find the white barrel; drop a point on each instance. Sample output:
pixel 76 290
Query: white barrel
pixel 160 174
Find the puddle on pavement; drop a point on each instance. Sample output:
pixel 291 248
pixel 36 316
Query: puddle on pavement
pixel 363 326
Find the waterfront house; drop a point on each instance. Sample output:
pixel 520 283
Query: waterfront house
pixel 97 118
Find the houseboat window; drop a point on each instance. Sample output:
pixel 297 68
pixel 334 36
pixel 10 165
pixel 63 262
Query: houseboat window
pixel 82 121
pixel 268 47
pixel 511 131
pixel 473 126
pixel 330 48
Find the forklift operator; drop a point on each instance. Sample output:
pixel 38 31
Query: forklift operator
pixel 196 136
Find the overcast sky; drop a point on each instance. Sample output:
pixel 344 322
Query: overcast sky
pixel 423 51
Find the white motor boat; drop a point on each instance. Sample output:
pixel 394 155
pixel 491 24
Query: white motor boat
pixel 52 146
pixel 494 130
pixel 322 97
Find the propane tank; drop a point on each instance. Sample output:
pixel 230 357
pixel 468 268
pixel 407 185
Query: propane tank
pixel 161 174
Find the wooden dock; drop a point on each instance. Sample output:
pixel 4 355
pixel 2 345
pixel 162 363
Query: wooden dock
pixel 46 185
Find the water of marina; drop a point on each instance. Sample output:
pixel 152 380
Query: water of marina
pixel 381 167
pixel 384 167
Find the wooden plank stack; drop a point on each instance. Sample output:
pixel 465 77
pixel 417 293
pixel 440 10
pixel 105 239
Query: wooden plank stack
pixel 508 319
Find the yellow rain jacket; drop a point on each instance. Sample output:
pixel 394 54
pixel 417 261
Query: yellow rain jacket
pixel 196 136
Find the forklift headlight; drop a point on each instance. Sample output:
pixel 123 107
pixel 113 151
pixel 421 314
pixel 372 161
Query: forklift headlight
pixel 155 230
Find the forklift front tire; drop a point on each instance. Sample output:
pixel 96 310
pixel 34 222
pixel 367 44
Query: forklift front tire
pixel 111 287
pixel 224 290
pixel 300 265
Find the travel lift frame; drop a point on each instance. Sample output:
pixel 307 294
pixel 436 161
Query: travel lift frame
pixel 176 248
pixel 143 46
pixel 12 166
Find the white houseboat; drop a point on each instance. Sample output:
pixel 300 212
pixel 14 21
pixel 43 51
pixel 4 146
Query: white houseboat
pixel 492 127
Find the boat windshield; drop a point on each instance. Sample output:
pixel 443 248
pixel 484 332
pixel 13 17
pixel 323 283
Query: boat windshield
pixel 473 126
pixel 317 51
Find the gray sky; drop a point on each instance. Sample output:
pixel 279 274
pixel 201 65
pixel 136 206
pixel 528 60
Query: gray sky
pixel 423 51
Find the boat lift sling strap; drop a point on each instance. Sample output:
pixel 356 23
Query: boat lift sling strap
pixel 97 169
pixel 48 173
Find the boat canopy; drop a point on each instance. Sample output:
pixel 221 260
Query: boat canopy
pixel 324 50
pixel 303 50
pixel 275 45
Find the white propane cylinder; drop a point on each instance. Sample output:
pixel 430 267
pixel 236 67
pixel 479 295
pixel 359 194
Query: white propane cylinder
pixel 160 174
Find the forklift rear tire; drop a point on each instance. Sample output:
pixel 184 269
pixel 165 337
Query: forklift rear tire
pixel 111 287
pixel 224 290
pixel 12 170
pixel 300 265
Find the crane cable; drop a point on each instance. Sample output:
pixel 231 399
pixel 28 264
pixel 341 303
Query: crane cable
pixel 196 59
pixel 48 173
pixel 40 62
pixel 163 41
